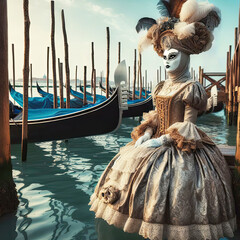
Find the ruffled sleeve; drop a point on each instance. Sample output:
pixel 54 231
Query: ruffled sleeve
pixel 186 135
pixel 195 96
pixel 150 121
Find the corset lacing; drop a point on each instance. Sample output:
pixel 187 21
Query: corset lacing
pixel 163 105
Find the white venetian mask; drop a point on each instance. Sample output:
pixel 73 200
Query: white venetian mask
pixel 171 59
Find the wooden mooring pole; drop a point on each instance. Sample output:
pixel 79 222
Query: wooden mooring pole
pixel 25 80
pixel 101 77
pixel 108 63
pixel 8 194
pixel 134 73
pixel 140 75
pixel 236 38
pixel 227 84
pixel 145 83
pixel 236 176
pixel 201 75
pixel 47 69
pixel 235 78
pixel 76 69
pixel 67 70
pixel 94 86
pixel 53 56
pixel 93 67
pixel 230 91
pixel 31 80
pixel 62 95
pixel 13 63
pixel 129 77
pixel 85 86
pixel 236 180
pixel 60 73
pixel 119 52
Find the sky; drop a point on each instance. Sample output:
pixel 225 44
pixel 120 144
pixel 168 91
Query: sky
pixel 86 22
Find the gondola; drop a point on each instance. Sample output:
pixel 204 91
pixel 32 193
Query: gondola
pixel 61 124
pixel 137 107
pixel 74 103
pixel 46 101
pixel 89 96
pixel 33 102
pixel 104 89
pixel 42 93
pixel 78 97
pixel 82 89
pixel 129 92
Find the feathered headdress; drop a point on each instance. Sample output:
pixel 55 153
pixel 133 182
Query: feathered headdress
pixel 184 24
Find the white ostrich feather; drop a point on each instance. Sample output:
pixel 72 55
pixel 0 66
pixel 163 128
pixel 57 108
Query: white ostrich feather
pixel 144 43
pixel 192 11
pixel 189 8
pixel 184 30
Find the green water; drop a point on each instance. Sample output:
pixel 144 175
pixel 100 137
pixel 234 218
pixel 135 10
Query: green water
pixel 55 184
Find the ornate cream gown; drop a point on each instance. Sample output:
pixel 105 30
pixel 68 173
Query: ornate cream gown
pixel 181 190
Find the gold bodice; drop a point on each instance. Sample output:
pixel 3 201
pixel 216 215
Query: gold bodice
pixel 170 109
pixel 163 105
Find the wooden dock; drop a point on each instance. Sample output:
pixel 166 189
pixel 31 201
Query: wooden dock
pixel 229 154
pixel 228 86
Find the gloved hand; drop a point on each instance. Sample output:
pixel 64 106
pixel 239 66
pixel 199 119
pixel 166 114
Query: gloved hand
pixel 143 139
pixel 157 142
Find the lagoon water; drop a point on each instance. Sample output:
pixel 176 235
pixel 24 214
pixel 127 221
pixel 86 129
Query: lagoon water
pixel 55 184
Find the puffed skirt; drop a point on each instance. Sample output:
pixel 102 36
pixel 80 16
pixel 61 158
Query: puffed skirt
pixel 166 193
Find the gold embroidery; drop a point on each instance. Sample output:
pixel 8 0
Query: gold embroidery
pixel 163 107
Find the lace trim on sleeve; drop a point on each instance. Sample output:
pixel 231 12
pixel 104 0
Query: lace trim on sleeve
pixel 184 144
pixel 189 145
pixel 150 121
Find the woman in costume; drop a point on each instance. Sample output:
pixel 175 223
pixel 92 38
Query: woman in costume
pixel 171 182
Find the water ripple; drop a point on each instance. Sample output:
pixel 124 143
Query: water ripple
pixel 55 184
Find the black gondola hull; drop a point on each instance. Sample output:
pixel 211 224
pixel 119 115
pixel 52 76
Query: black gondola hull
pixel 99 119
pixel 137 109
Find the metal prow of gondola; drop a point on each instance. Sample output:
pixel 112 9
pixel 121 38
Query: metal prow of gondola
pixel 120 79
